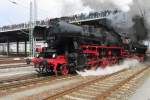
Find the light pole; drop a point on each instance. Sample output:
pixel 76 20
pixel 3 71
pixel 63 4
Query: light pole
pixel 13 2
pixel 33 19
pixel 32 24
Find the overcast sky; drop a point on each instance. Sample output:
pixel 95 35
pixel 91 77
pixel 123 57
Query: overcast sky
pixel 16 13
pixel 11 13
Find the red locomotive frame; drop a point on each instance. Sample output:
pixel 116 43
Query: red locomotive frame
pixel 97 56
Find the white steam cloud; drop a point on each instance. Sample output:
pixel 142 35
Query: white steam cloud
pixel 123 4
pixel 129 63
pixel 131 8
pixel 122 23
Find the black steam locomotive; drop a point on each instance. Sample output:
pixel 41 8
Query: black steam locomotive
pixel 73 47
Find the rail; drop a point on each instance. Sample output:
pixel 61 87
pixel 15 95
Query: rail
pixel 30 81
pixel 100 89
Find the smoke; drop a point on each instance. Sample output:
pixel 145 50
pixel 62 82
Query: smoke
pixel 124 5
pixel 70 7
pixel 124 21
pixel 129 63
pixel 140 29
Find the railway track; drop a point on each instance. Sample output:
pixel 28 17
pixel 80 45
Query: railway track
pixel 17 82
pixel 7 87
pixel 115 86
pixel 14 65
pixel 11 61
pixel 11 79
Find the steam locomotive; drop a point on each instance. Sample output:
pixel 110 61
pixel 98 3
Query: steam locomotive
pixel 72 47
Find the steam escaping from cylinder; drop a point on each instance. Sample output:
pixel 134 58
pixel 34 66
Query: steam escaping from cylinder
pixel 128 63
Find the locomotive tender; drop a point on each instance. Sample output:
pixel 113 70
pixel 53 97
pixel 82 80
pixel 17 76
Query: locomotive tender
pixel 72 47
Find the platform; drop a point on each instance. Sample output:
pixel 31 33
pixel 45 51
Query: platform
pixel 143 92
